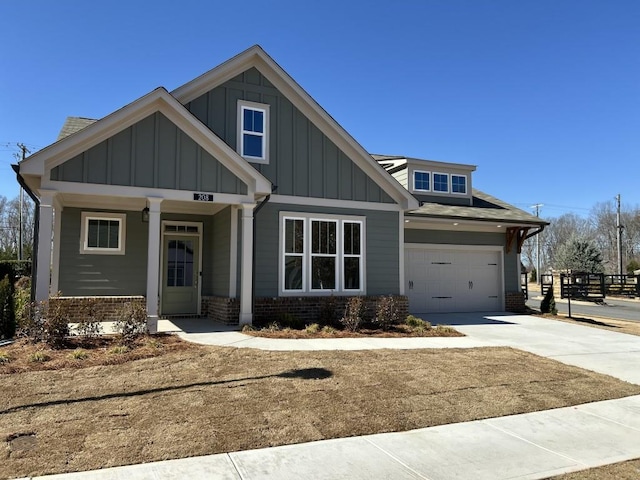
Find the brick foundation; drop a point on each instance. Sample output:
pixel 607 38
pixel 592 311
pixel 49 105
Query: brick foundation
pixel 221 309
pixel 514 302
pixel 108 307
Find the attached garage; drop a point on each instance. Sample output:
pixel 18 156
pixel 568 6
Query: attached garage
pixel 454 278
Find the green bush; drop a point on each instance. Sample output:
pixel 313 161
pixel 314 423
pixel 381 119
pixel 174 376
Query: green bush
pixel 39 357
pixel 417 323
pixel 387 312
pixel 131 322
pixel 548 303
pixel 353 312
pixel 21 296
pixel 7 312
pixel 313 328
pixel 79 354
pixel 15 268
pixel 533 275
pixel 56 322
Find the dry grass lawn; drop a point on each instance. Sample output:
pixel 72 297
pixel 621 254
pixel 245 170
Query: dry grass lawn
pixel 618 471
pixel 205 400
pixel 619 326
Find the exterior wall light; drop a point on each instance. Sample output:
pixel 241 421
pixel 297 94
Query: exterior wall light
pixel 145 215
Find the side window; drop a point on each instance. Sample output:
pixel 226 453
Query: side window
pixel 458 184
pixel 102 233
pixel 441 182
pixel 253 131
pixel 421 181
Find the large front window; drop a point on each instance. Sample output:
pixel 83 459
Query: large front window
pixel 322 254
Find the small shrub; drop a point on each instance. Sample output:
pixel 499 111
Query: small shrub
pixel 31 322
pixel 289 320
pixel 248 328
pixel 119 350
pixel 352 318
pixel 445 330
pixel 548 303
pixel 39 357
pixel 155 344
pixel 329 330
pixel 90 325
pixel 328 311
pixel 312 329
pixel 273 327
pixel 79 354
pixel 387 313
pixel 4 358
pixel 417 323
pixel 56 322
pixel 131 322
pixel 21 297
pixel 7 312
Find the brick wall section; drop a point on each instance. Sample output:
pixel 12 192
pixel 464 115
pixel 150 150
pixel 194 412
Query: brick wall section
pixel 107 306
pixel 514 302
pixel 310 309
pixel 221 309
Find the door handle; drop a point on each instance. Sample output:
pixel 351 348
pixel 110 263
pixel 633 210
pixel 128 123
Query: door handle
pixel 410 284
pixel 470 285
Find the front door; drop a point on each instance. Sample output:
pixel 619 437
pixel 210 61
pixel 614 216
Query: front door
pixel 180 275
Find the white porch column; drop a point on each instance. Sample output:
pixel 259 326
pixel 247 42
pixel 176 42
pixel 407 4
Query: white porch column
pixel 246 265
pixel 45 229
pixel 153 263
pixel 401 249
pixel 57 225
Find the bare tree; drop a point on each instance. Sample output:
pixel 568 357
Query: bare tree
pixel 10 227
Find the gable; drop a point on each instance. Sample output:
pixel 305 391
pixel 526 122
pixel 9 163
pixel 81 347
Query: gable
pixel 152 152
pixel 304 161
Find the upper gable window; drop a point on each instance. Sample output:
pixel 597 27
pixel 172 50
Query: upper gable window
pixel 253 131
pixel 459 184
pixel 421 181
pixel 103 233
pixel 441 182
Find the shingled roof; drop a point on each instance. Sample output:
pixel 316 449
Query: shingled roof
pixel 73 125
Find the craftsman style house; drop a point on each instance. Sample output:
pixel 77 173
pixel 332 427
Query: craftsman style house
pixel 237 195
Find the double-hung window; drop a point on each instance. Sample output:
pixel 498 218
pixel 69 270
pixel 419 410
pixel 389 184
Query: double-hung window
pixel 102 233
pixel 322 255
pixel 253 131
pixel 458 184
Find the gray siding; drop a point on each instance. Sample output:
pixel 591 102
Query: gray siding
pixel 151 153
pixel 303 161
pixel 511 280
pixel 221 252
pixel 86 275
pixel 382 248
pixel 402 177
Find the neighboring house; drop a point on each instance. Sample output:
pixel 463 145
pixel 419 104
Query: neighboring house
pixel 237 196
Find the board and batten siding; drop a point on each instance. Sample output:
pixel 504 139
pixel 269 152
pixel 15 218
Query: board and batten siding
pixel 302 160
pixel 154 153
pixel 381 244
pixel 221 248
pixel 446 237
pixel 88 275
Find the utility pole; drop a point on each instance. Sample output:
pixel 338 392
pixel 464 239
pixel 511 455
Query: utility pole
pixel 619 228
pixel 25 150
pixel 538 274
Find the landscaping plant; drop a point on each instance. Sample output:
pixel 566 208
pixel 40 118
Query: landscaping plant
pixel 387 312
pixel 548 303
pixel 131 322
pixel 89 325
pixel 7 312
pixel 353 312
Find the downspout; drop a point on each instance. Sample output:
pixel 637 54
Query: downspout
pixel 253 252
pixel 36 228
pixel 535 232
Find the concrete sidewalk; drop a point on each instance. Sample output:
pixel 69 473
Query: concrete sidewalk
pixel 529 446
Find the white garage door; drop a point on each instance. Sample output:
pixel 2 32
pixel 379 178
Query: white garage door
pixel 448 280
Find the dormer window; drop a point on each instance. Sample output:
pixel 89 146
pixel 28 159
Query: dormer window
pixel 253 131
pixel 441 182
pixel 421 181
pixel 459 184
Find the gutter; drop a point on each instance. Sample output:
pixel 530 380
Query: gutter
pixel 253 253
pixel 535 232
pixel 36 228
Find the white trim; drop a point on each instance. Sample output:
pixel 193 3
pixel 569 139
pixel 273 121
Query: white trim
pixel 140 192
pixel 413 177
pixel 57 228
pixel 401 250
pixel 258 58
pixel 335 203
pixel 246 267
pixel 121 218
pixel 258 107
pixel 466 182
pixel 163 234
pixel 337 271
pixel 433 182
pixel 45 230
pixel 307 256
pixel 233 253
pixel 153 262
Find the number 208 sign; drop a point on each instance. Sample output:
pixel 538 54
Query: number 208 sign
pixel 203 197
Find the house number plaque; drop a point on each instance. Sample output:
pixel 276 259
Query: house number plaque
pixel 203 197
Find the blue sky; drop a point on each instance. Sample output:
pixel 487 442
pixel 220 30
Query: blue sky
pixel 543 96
